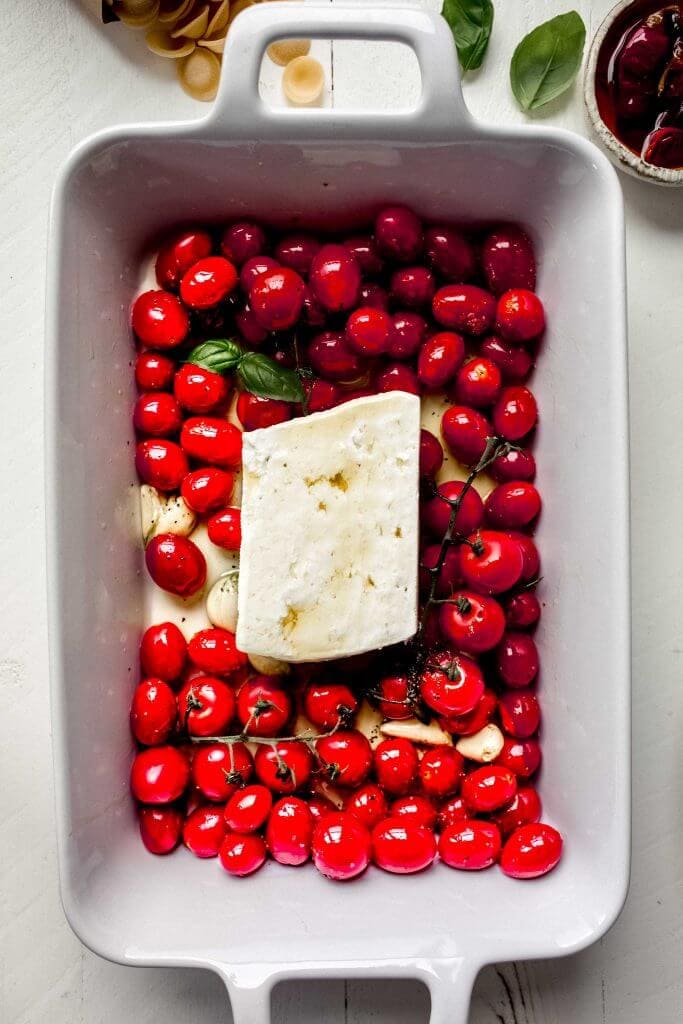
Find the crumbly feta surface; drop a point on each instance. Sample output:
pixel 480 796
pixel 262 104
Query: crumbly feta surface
pixel 329 556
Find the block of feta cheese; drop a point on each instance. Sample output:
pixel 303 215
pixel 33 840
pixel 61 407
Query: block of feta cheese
pixel 329 555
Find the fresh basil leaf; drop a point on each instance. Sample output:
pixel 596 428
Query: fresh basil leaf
pixel 219 355
pixel 263 376
pixel 471 22
pixel 546 61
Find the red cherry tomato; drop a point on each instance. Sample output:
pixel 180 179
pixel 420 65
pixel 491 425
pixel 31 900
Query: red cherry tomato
pixel 285 766
pixel 474 720
pixel 153 712
pixel 218 769
pixel 263 706
pixel 206 490
pixel 204 831
pixel 364 248
pixel 345 757
pixel 276 298
pixel 159 319
pixel 452 812
pixel 449 253
pixel 489 788
pixel 367 331
pixel 160 828
pixel 225 529
pixel 520 713
pixel 334 277
pixel 247 809
pixel 163 651
pixel 392 693
pixel 402 846
pixel 206 706
pixel 478 383
pixel 175 564
pixel 517 659
pixel 522 611
pixel 215 652
pixel 439 359
pixel 412 287
pixel 340 846
pixel 199 390
pixel 157 414
pixel 367 803
pixel 416 808
pixel 332 357
pixel 153 372
pixel 515 413
pixel 320 807
pixel 253 268
pixel 470 845
pixel 159 775
pixel 531 851
pixel 407 333
pixel 328 705
pixel 507 259
pixel 436 512
pixel 399 234
pixel 431 455
pixel 449 579
pixel 289 831
pixel 242 241
pixel 524 809
pixel 452 684
pixel 374 295
pixel 249 327
pixel 491 562
pixel 397 377
pixel 464 307
pixel 517 464
pixel 472 622
pixel 321 394
pixel 242 855
pixel 523 757
pixel 513 505
pixel 441 770
pixel 297 252
pixel 396 764
pixel 256 412
pixel 532 562
pixel 208 282
pixel 513 361
pixel 466 433
pixel 178 254
pixel 160 463
pixel 212 440
pixel 520 315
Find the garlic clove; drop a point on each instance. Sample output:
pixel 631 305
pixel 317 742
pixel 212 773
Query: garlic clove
pixel 428 733
pixel 482 746
pixel 268 666
pixel 368 721
pixel 150 510
pixel 175 517
pixel 221 603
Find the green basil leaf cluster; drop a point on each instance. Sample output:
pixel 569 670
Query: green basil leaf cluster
pixel 259 373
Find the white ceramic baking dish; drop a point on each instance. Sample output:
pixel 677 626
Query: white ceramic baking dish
pixel 117 192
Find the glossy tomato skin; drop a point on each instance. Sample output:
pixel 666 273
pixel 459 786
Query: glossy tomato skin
pixel 396 764
pixel 451 684
pixel 215 652
pixel 406 335
pixel 159 319
pixel 213 440
pixel 159 775
pixel 242 855
pixel 402 846
pixel 255 412
pixel 491 562
pixel 513 361
pixel 289 831
pixel 154 372
pixel 474 720
pixel 327 705
pixel 283 767
pixel 517 464
pixel 477 383
pixel 153 712
pixel 320 807
pixel 531 567
pixel 204 831
pixel 263 706
pixel 253 268
pixel 439 359
pixel 517 659
pixel 470 845
pixel 345 757
pixel 160 828
pixel 297 251
pixel 472 622
pixel 175 564
pixel 340 846
pixel 225 529
pixel 398 377
pixel 488 788
pixel 431 455
pixel 243 241
pixel 464 307
pixel 453 811
pixel 449 252
pixel 206 706
pixel 512 505
pixel 441 771
pixel 522 611
pixel 199 390
pixel 367 803
pixel 436 512
pixel 247 809
pixel 207 490
pixel 276 298
pixel 364 248
pixel 519 315
pixel 334 277
pixel 157 414
pixel 367 331
pixel 523 757
pixel 178 254
pixel 393 692
pixel 412 287
pixel 520 713
pixel 322 395
pixel 333 358
pixel 515 413
pixel 524 809
pixel 416 808
pixel 161 464
pixel 531 851
pixel 507 259
pixel 219 768
pixel 208 282
pixel 163 651
pixel 466 432
pixel 399 234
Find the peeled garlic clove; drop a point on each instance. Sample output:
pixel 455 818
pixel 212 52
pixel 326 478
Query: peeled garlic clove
pixel 173 10
pixel 199 74
pixel 268 666
pixel 150 510
pixel 219 19
pixel 369 721
pixel 221 603
pixel 428 733
pixel 163 45
pixel 175 516
pixel 193 27
pixel 284 50
pixel 482 746
pixel 303 80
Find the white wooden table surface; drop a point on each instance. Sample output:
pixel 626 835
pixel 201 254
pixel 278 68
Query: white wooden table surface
pixel 64 77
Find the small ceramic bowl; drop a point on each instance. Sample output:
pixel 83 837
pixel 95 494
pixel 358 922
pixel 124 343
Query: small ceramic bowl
pixel 624 158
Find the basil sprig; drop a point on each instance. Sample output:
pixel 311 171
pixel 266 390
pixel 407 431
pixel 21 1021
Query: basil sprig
pixel 471 22
pixel 547 60
pixel 259 373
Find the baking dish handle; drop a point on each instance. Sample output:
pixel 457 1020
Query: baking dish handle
pixel 240 109
pixel 450 984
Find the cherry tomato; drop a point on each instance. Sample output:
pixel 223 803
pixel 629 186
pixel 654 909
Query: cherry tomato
pixel 206 706
pixel 247 809
pixel 522 611
pixel 332 357
pixel 470 845
pixel 204 831
pixel 517 464
pixel 219 768
pixel 464 307
pixel 159 319
pixel 199 390
pixel 153 712
pixel 340 846
pixel 520 315
pixel 289 831
pixel 297 252
pixel 524 808
pixel 431 455
pixel 439 359
pixel 441 770
pixel 449 253
pixel 320 807
pixel 397 377
pixel 334 277
pixel 157 414
pixel 249 327
pixel 163 651
pixel 488 788
pixel 523 757
pixel 256 412
pixel 285 766
pixel 213 440
pixel 531 851
pixel 513 505
pixel 253 268
pixel 478 383
pixel 474 720
pixel 215 652
pixel 225 529
pixel 177 255
pixel 491 561
pixel 242 241
pixel 208 282
pixel 392 695
pixel 153 372
pixel 452 811
pixel 513 361
pixel 242 855
pixel 345 757
pixel 276 298
pixel 321 395
pixel 160 828
pixel 451 684
pixel 520 713
pixel 399 234
pixel 436 512
pixel 517 659
pixel 407 333
pixel 472 622
pixel 531 559
pixel 367 331
pixel 416 808
pixel 402 846
pixel 363 247
pixel 396 764
pixel 159 775
pixel 466 433
pixel 374 295
pixel 263 706
pixel 367 803
pixel 175 564
pixel 161 463
pixel 412 287
pixel 515 413
pixel 206 490
pixel 507 259
pixel 328 705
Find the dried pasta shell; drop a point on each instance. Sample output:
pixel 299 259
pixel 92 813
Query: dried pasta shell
pixel 193 27
pixel 237 8
pixel 219 19
pixel 215 45
pixel 173 10
pixel 163 45
pixel 140 19
pixel 199 74
pixel 284 50
pixel 303 80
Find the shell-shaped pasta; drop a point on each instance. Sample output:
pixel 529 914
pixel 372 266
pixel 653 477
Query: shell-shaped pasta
pixel 284 50
pixel 193 27
pixel 173 10
pixel 303 80
pixel 199 74
pixel 218 20
pixel 141 17
pixel 215 45
pixel 161 43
